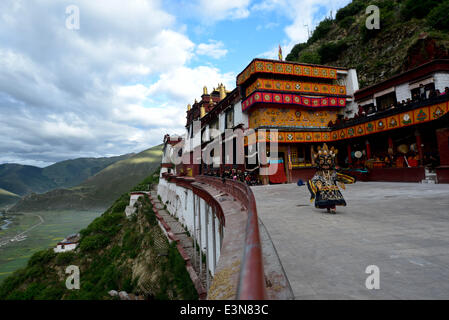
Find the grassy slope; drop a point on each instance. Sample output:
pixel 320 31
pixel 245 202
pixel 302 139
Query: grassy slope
pixel 114 254
pixel 98 191
pixel 7 197
pixel 70 173
pixel 23 179
pixel 376 54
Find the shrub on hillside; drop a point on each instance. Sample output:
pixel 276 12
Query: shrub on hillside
pixel 418 9
pixel 321 30
pixel 294 54
pixel 438 17
pixel 331 51
pixel 94 242
pixel 108 224
pixel 65 258
pixel 42 257
pixel 346 22
pixel 350 10
pixel 309 57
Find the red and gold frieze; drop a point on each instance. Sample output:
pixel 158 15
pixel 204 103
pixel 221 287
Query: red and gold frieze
pixel 291 117
pixel 273 67
pixel 295 86
pixel 403 119
pixel 291 99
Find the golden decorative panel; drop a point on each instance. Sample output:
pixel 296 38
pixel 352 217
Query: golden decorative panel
pixel 281 67
pixel 295 86
pixel 291 117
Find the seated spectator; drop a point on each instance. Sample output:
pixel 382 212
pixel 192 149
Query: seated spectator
pixel 409 101
pixel 446 90
pixel 432 94
pixel 438 93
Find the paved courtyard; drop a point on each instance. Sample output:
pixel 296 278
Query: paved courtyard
pixel 403 228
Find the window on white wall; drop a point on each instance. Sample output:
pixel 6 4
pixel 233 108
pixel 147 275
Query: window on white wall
pixel 229 119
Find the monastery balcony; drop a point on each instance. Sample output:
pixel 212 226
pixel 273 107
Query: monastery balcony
pixel 392 111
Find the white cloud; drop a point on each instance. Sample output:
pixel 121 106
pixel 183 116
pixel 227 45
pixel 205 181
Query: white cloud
pixel 213 49
pixel 115 86
pixel 185 84
pixel 223 9
pixel 300 13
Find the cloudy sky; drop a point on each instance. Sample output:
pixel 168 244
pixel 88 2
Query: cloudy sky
pixel 123 79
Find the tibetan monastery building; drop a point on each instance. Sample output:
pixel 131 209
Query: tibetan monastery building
pixel 395 130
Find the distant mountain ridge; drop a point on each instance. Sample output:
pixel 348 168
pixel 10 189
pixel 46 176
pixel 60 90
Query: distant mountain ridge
pixel 24 179
pixel 98 191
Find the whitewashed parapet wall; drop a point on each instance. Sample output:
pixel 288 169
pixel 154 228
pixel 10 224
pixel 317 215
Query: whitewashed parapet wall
pixel 180 204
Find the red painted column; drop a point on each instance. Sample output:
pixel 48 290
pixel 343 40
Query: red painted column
pixel 368 150
pixel 390 143
pixel 419 145
pixel 443 145
pixel 349 154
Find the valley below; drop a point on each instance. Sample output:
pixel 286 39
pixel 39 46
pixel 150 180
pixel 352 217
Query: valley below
pixel 35 231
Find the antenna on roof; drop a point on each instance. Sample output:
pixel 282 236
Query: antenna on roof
pixel 308 32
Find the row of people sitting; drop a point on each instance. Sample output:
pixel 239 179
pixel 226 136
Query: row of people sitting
pixel 372 109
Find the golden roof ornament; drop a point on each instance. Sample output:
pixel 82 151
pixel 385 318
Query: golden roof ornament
pixel 222 91
pixel 202 111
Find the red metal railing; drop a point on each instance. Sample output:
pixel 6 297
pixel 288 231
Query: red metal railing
pixel 251 280
pixel 251 284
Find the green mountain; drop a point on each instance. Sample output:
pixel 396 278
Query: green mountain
pixel 115 253
pixel 70 173
pixel 98 191
pixel 411 33
pixel 23 179
pixel 7 198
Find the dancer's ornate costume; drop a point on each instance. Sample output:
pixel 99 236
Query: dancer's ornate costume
pixel 323 186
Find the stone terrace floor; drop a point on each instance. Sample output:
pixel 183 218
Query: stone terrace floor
pixel 403 228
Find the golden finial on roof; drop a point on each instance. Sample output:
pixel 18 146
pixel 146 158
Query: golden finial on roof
pixel 222 90
pixel 189 107
pixel 202 111
pixel 204 90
